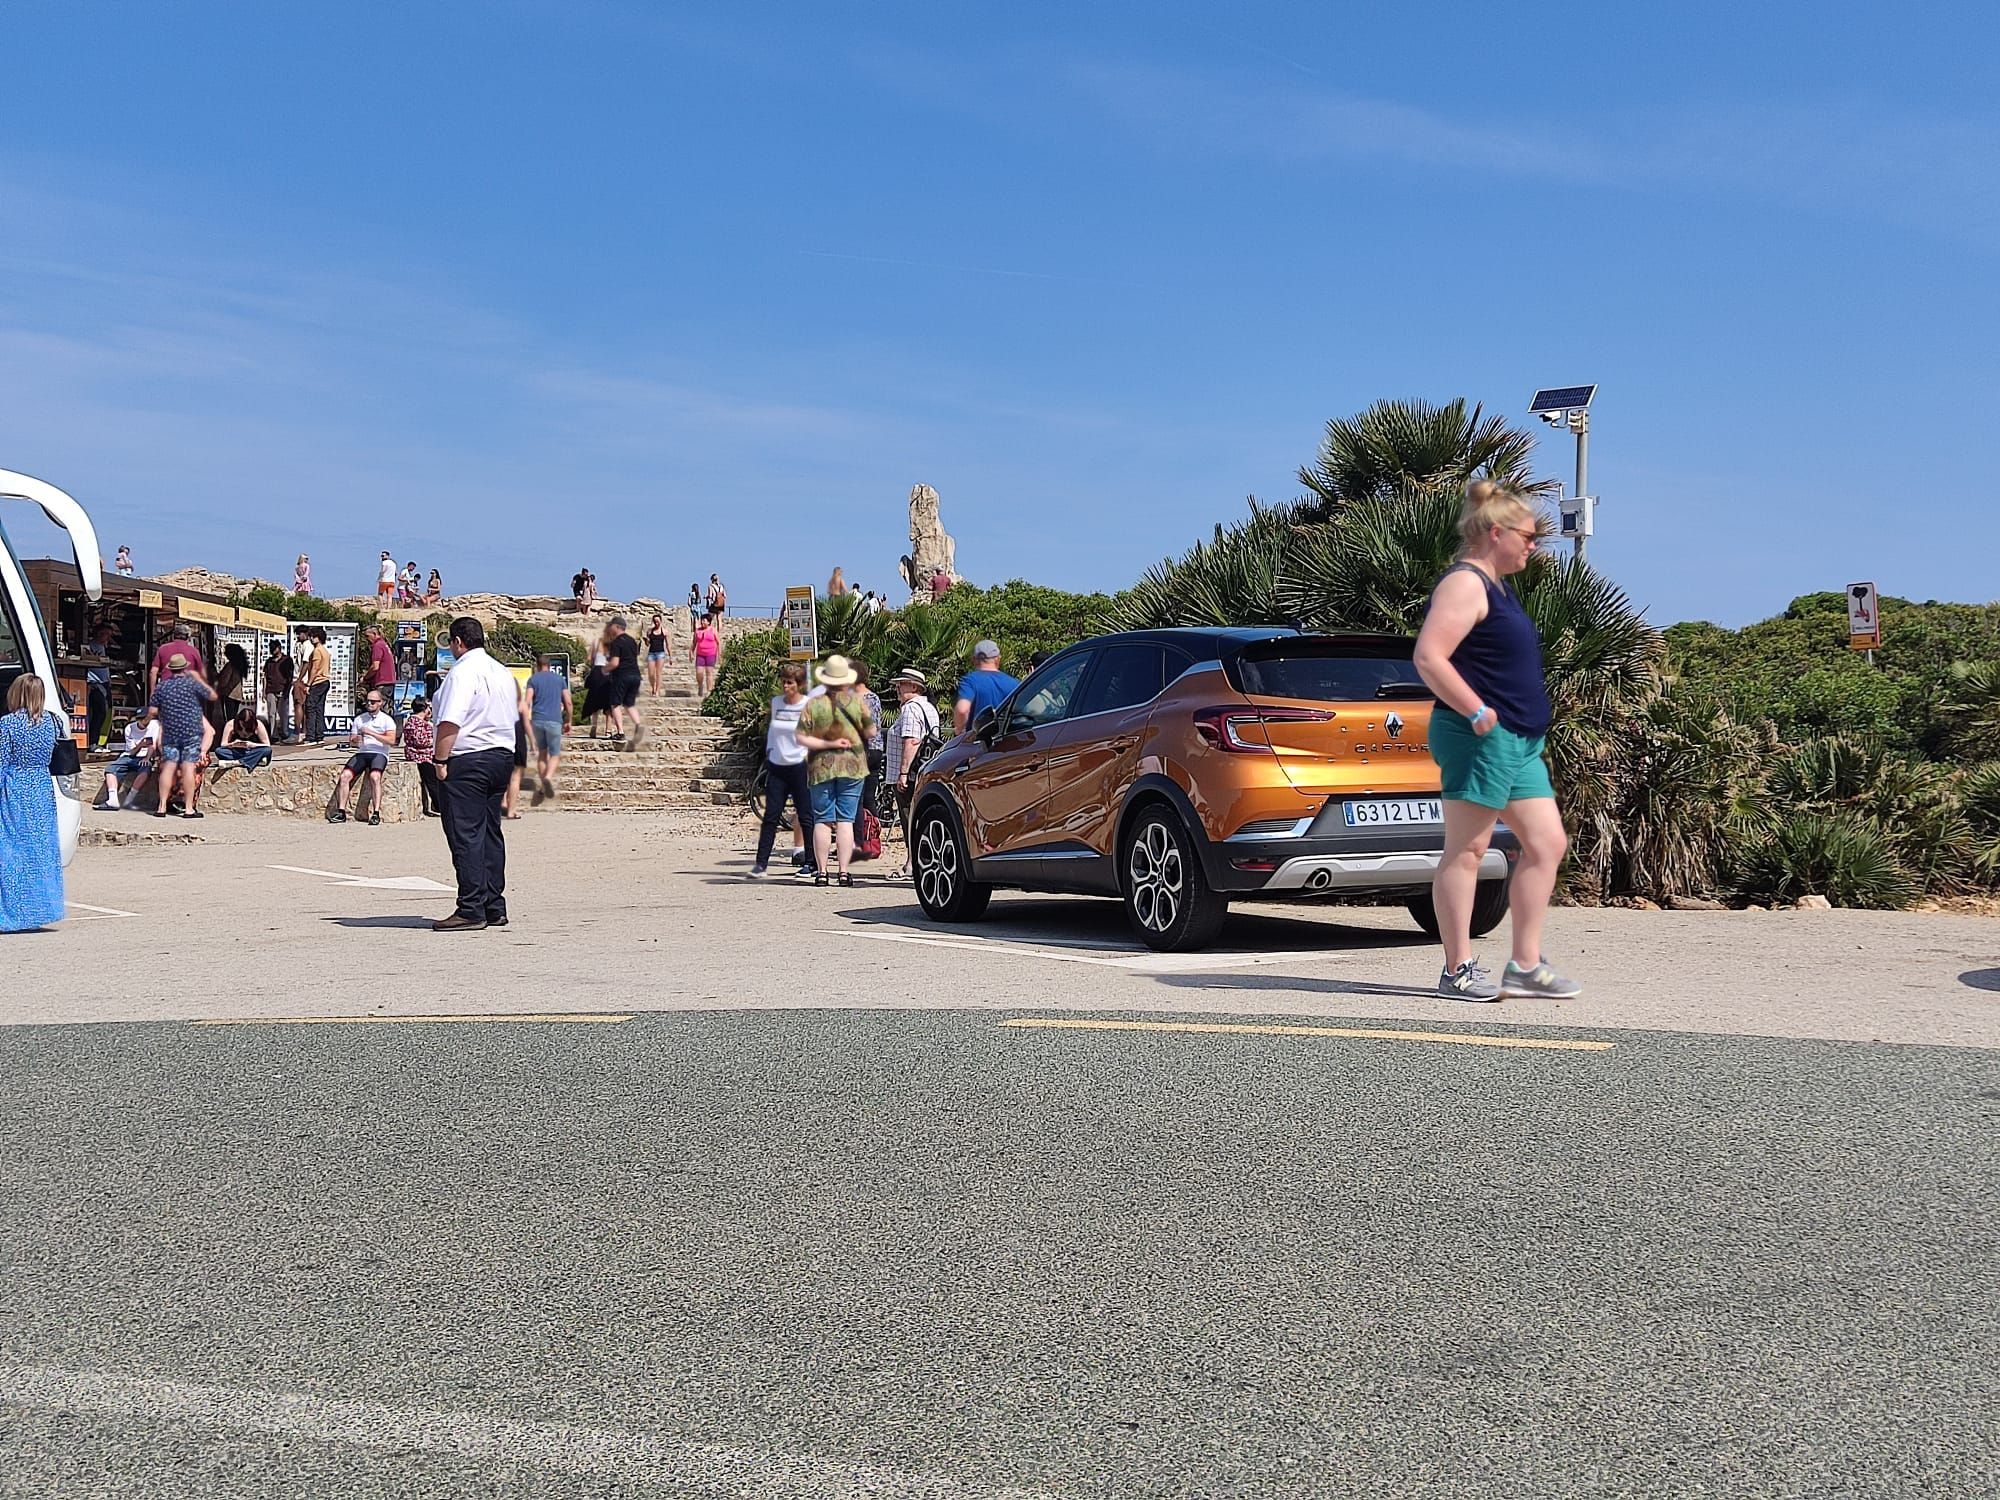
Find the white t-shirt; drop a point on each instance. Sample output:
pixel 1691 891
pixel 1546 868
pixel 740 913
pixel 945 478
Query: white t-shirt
pixel 781 740
pixel 482 698
pixel 380 724
pixel 142 738
pixel 388 570
pixel 918 718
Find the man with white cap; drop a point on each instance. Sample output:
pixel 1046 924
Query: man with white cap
pixel 984 687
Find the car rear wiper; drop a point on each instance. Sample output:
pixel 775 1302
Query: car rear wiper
pixel 1404 690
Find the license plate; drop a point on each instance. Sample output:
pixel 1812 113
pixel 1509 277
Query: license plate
pixel 1395 812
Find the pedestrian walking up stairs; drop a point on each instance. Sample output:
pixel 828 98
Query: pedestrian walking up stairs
pixel 684 760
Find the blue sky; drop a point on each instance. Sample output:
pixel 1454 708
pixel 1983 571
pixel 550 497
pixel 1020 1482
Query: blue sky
pixel 516 286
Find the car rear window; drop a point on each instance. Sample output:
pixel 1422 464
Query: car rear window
pixel 1330 672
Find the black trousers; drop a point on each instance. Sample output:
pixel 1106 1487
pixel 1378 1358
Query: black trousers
pixel 430 788
pixel 781 782
pixel 316 713
pixel 472 786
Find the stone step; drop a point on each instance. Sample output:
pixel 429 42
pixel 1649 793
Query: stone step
pixel 583 799
pixel 679 789
pixel 654 744
pixel 693 762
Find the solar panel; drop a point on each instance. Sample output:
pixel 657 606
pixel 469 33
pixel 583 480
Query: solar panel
pixel 1562 398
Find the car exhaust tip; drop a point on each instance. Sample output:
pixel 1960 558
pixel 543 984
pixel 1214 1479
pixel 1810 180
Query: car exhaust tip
pixel 1319 880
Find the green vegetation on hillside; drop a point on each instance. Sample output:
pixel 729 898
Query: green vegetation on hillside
pixel 1760 764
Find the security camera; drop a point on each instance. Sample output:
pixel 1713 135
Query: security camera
pixel 1554 418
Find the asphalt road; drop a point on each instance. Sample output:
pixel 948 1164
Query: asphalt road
pixel 917 1253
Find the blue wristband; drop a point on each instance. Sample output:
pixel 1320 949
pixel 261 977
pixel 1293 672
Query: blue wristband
pixel 1476 715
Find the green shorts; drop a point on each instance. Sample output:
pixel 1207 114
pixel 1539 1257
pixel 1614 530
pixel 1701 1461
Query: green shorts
pixel 1492 769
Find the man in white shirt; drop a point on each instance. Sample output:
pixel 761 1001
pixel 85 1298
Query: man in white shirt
pixel 478 708
pixel 916 718
pixel 374 734
pixel 142 754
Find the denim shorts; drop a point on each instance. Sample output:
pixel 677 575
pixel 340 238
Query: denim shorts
pixel 837 800
pixel 188 753
pixel 548 735
pixel 129 765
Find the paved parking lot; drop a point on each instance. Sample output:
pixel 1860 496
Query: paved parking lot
pixel 761 1189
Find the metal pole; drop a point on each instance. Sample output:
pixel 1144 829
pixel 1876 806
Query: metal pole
pixel 1582 470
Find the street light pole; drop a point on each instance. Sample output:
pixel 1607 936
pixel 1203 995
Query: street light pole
pixel 1580 420
pixel 1568 406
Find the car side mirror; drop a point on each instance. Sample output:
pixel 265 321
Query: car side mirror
pixel 986 725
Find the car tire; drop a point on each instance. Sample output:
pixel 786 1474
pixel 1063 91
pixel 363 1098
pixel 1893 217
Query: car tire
pixel 1168 899
pixel 942 871
pixel 1489 905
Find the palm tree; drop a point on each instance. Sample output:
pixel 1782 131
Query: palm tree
pixel 1228 580
pixel 1396 447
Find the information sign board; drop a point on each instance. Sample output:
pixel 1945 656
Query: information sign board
pixel 802 623
pixel 1864 617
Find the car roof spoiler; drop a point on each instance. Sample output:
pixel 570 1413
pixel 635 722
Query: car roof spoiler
pixel 61 507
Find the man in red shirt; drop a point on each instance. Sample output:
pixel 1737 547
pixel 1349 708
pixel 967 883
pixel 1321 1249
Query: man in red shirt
pixel 381 670
pixel 180 644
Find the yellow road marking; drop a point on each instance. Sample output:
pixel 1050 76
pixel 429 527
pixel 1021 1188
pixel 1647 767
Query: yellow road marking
pixel 399 1020
pixel 1251 1028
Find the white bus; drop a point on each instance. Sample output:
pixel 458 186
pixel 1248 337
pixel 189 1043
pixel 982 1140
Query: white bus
pixel 24 638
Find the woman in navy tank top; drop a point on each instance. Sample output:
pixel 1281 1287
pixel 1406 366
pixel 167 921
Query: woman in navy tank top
pixel 1479 653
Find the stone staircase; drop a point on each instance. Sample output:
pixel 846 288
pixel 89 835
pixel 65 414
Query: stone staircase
pixel 684 761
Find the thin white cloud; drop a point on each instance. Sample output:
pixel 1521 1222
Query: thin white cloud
pixel 1933 174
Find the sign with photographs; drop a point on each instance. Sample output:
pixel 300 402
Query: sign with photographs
pixel 802 623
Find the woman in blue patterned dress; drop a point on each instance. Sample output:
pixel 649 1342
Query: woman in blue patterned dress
pixel 31 877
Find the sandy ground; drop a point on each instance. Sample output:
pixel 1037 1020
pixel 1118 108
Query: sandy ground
pixel 652 912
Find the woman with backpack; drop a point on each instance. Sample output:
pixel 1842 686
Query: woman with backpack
pixel 834 730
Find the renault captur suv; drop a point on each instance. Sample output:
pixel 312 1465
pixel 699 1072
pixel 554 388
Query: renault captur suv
pixel 1181 769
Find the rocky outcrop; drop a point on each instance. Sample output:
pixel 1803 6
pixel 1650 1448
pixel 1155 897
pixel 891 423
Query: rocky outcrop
pixel 208 581
pixel 931 546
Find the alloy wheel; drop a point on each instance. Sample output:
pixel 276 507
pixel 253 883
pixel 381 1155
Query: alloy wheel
pixel 1158 877
pixel 937 863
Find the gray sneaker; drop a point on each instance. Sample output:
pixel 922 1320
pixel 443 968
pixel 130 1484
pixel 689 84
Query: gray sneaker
pixel 1467 982
pixel 1539 983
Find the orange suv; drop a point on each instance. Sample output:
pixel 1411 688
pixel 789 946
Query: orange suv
pixel 1180 769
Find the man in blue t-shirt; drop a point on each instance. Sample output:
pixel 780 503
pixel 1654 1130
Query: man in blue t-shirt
pixel 550 709
pixel 984 686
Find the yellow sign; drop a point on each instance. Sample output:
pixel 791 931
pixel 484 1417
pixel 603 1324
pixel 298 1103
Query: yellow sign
pixel 258 619
pixel 802 622
pixel 208 614
pixel 150 599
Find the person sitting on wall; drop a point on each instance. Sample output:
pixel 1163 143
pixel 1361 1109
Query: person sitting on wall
pixel 374 734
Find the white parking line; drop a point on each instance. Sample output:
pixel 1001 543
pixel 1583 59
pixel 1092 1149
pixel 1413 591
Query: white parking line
pixel 102 911
pixel 648 1462
pixel 1144 961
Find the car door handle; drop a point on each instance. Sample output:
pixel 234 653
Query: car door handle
pixel 1124 743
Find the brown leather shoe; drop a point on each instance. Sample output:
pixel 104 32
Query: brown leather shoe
pixel 456 923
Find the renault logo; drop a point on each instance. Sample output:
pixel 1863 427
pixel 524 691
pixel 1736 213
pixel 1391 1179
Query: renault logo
pixel 1394 724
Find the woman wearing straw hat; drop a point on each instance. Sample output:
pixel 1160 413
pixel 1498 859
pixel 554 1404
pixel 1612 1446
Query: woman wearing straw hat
pixel 835 730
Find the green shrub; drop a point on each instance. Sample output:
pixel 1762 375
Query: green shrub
pixel 1021 618
pixel 518 643
pixel 745 680
pixel 1838 855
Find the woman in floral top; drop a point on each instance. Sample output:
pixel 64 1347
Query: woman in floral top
pixel 835 730
pixel 419 745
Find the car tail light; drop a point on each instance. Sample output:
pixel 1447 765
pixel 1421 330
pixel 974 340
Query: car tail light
pixel 1226 728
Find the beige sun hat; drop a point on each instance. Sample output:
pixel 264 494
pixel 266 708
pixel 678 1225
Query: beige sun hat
pixel 838 672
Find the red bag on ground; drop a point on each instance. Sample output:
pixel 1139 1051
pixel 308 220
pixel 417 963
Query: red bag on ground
pixel 868 836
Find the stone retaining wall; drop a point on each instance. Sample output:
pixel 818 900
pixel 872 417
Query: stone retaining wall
pixel 281 790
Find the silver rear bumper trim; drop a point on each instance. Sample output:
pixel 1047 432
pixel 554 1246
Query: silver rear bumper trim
pixel 1335 872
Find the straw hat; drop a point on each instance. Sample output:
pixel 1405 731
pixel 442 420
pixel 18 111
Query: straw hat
pixel 837 672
